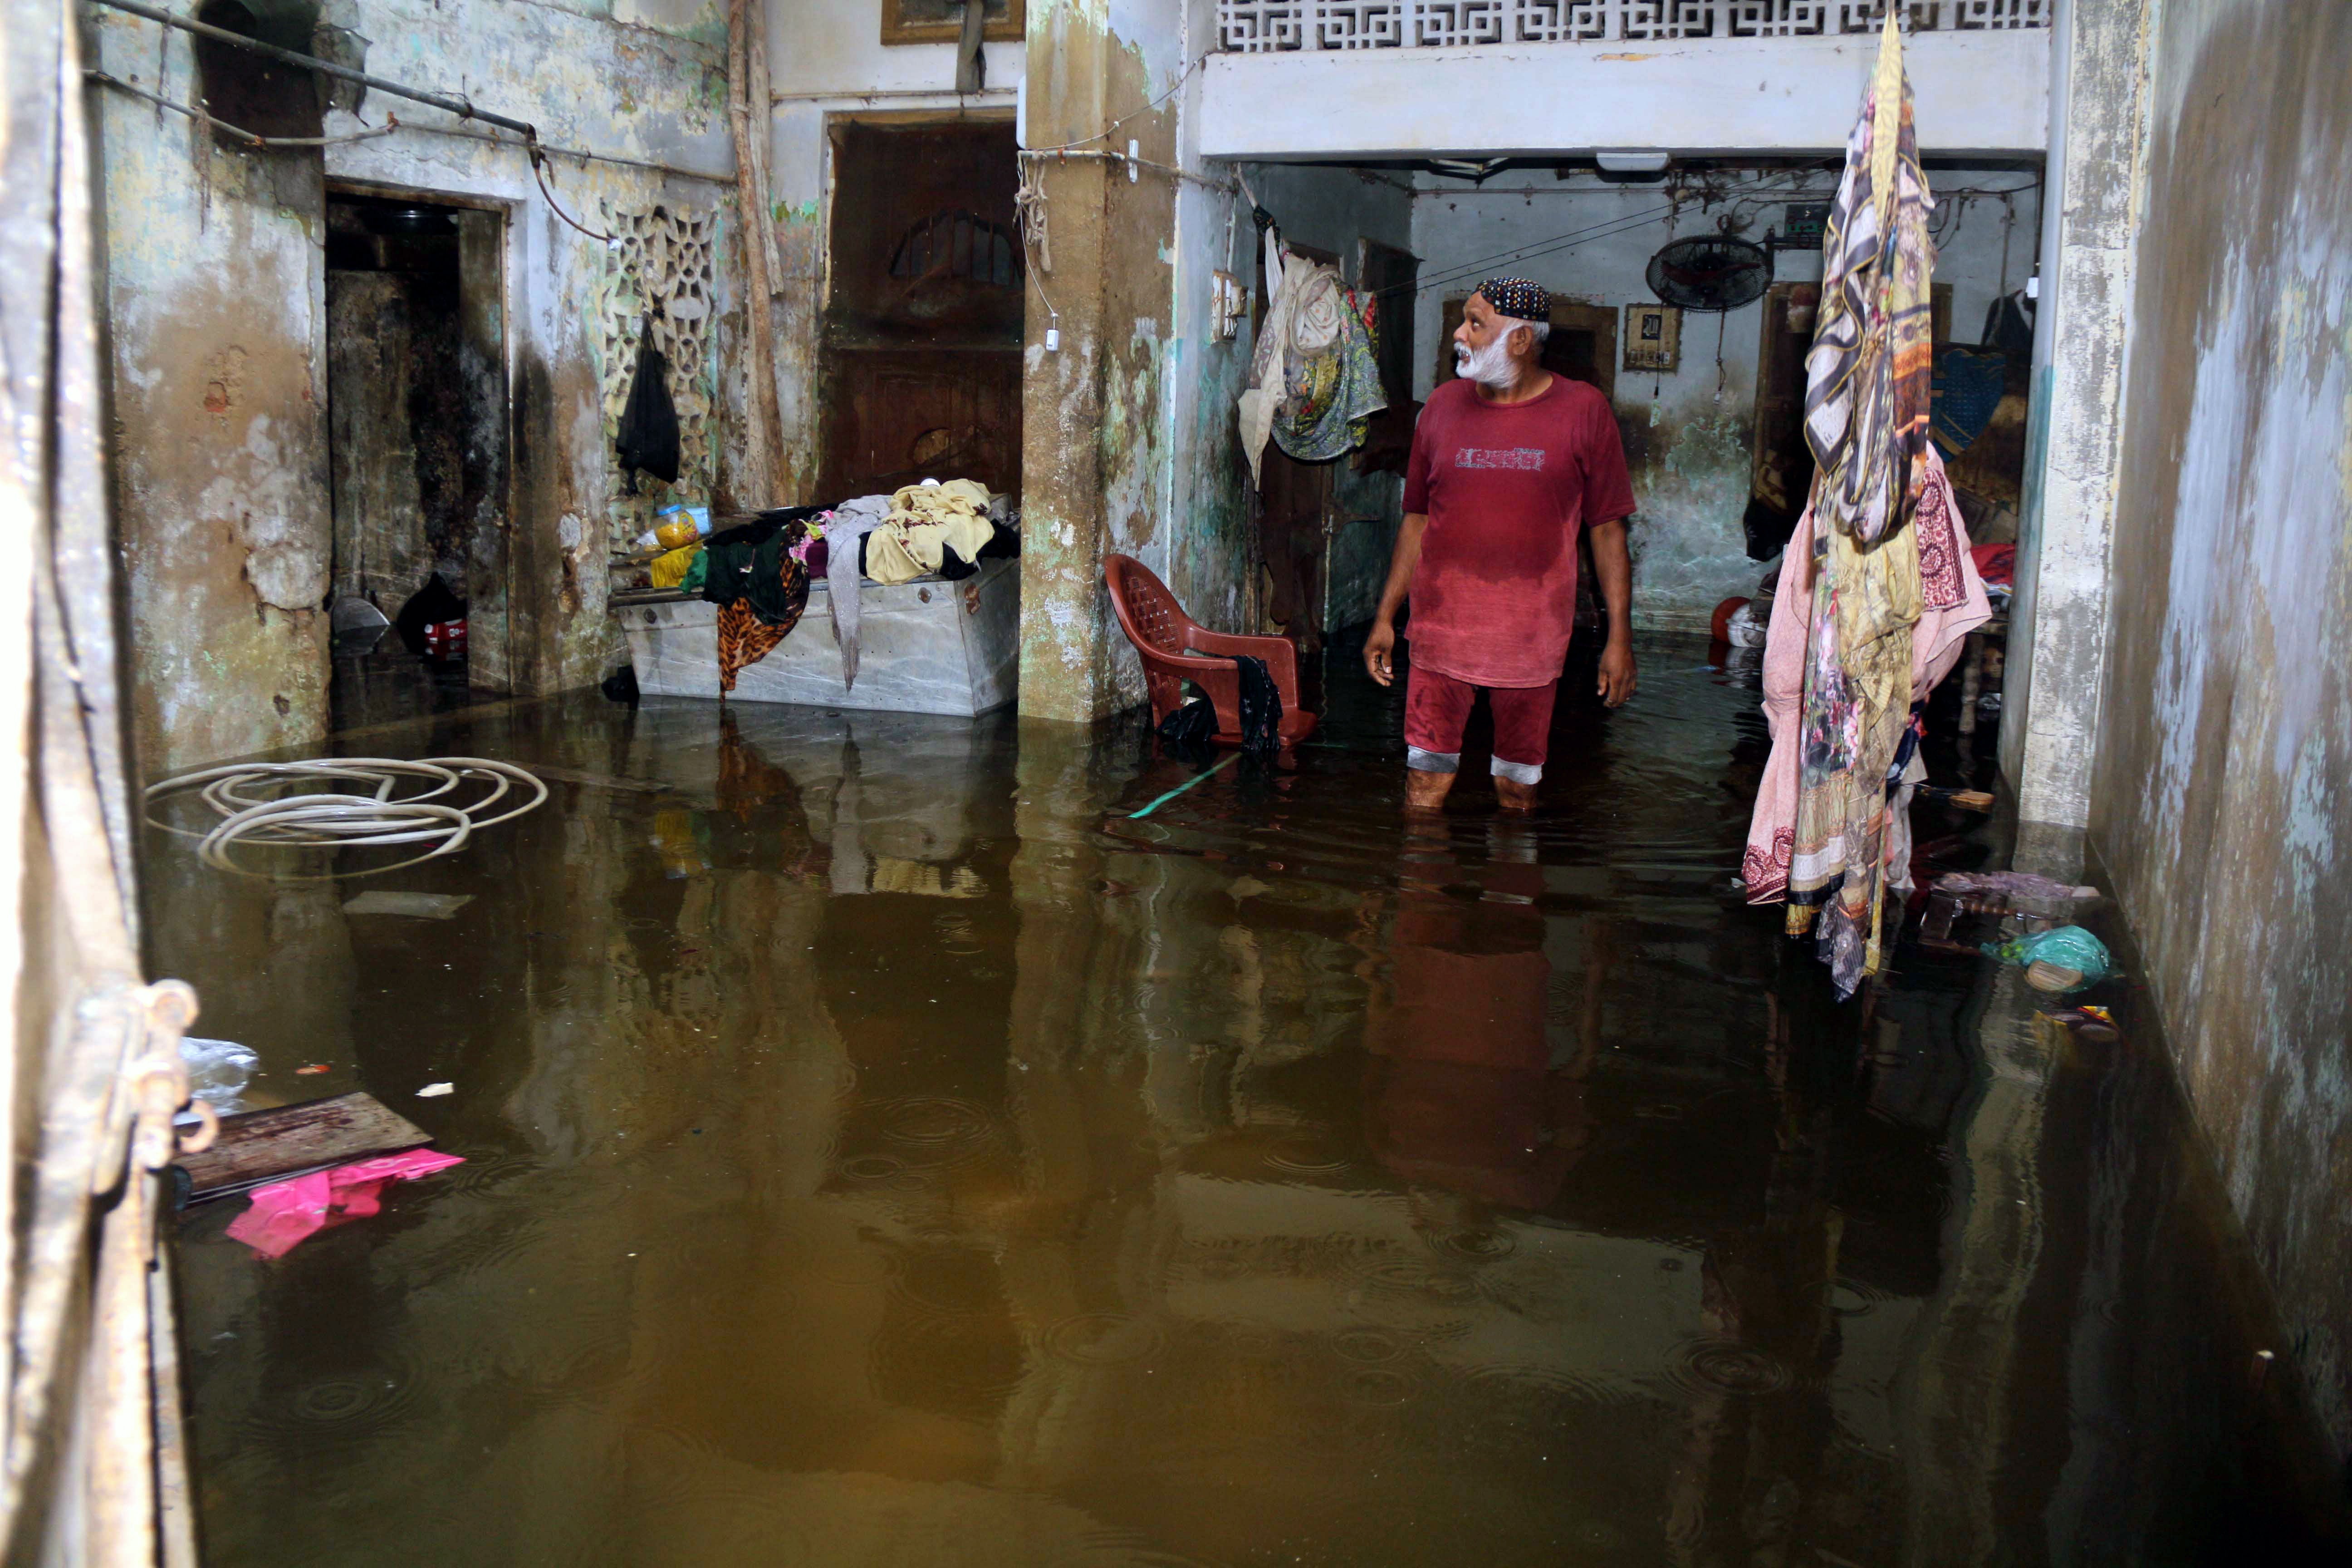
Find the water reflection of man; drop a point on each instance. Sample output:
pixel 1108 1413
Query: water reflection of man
pixel 1462 1089
pixel 1509 463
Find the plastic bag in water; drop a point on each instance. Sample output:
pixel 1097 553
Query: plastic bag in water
pixel 2060 947
pixel 218 1073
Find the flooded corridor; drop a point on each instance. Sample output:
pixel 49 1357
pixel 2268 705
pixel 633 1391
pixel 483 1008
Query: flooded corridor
pixel 882 1149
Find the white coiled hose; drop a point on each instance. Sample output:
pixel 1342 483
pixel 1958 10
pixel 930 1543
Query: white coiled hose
pixel 251 801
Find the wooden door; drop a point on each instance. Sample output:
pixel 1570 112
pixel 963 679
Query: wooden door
pixel 1782 473
pixel 923 314
pixel 1388 274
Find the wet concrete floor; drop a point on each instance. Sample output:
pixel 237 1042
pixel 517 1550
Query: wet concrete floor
pixel 880 1150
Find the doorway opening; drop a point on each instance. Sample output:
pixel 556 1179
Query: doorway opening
pixel 924 312
pixel 418 453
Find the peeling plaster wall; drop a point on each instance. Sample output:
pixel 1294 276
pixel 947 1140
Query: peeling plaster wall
pixel 1689 433
pixel 215 295
pixel 2220 800
pixel 1100 412
pixel 217 324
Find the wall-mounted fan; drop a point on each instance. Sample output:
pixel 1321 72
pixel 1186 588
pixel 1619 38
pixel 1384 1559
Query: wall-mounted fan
pixel 1710 272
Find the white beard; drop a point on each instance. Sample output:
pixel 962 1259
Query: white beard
pixel 1489 367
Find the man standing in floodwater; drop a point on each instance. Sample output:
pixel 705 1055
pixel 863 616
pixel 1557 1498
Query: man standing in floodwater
pixel 1509 463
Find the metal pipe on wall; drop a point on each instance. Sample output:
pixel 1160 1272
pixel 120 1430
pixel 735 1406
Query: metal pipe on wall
pixel 460 106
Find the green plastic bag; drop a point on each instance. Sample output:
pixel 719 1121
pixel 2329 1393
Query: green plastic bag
pixel 2066 947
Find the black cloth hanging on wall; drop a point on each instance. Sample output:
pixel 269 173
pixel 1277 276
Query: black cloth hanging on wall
pixel 648 439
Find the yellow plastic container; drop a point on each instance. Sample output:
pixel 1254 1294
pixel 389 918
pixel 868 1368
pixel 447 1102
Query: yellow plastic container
pixel 669 571
pixel 676 535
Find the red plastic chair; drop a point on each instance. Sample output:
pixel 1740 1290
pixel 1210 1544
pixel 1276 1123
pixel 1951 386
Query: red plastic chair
pixel 1165 638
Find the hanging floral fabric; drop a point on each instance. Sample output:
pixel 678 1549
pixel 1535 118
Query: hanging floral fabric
pixel 1867 382
pixel 1332 396
pixel 1314 377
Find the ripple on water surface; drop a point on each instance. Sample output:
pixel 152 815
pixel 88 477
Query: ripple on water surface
pixel 342 1409
pixel 1706 1365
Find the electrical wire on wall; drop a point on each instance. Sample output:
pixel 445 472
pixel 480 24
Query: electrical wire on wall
pixel 538 152
pixel 1478 266
pixel 539 173
pixel 1113 128
pixel 1029 214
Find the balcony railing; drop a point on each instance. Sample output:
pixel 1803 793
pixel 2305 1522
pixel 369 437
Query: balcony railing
pixel 1253 26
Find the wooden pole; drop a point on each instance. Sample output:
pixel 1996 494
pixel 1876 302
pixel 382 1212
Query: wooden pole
pixel 765 432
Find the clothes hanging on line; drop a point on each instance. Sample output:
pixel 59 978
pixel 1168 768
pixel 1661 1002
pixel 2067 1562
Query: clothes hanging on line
pixel 1879 559
pixel 1314 379
pixel 1821 856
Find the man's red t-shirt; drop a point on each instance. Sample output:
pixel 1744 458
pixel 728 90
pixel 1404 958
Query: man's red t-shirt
pixel 1506 490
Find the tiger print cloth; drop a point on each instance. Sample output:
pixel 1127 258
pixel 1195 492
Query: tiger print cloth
pixel 744 639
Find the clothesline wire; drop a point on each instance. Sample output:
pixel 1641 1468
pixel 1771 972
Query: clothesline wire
pixel 1462 272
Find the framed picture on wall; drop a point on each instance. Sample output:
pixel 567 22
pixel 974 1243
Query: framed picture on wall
pixel 941 21
pixel 1654 337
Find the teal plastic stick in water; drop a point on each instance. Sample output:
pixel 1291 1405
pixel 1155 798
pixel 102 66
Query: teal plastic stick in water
pixel 1180 789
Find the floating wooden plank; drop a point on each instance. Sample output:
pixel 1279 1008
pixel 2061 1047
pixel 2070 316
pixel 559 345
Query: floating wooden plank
pixel 260 1146
pixel 599 781
pixel 415 906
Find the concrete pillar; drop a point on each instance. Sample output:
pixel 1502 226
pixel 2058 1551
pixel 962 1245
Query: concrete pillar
pixel 2058 629
pixel 1095 435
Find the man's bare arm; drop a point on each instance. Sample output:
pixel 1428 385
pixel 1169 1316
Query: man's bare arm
pixel 1381 643
pixel 1613 563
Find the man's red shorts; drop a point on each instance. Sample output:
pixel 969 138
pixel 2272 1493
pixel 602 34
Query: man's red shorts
pixel 1438 705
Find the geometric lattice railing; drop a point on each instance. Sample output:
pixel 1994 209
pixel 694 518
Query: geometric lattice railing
pixel 1257 26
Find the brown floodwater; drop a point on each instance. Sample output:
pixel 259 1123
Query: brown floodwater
pixel 881 1149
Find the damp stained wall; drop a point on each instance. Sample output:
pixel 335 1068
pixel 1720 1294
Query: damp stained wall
pixel 1688 432
pixel 215 316
pixel 2058 620
pixel 1174 487
pixel 2219 799
pixel 215 299
pixel 1100 407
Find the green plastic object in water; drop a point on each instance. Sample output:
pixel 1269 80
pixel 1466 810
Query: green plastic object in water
pixel 2066 947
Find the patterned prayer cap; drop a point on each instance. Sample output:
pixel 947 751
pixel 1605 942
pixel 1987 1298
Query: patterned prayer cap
pixel 1521 298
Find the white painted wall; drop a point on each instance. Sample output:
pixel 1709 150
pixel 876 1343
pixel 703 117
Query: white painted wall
pixel 1978 93
pixel 1690 429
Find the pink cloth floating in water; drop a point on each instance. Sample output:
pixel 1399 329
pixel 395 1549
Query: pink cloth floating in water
pixel 285 1213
